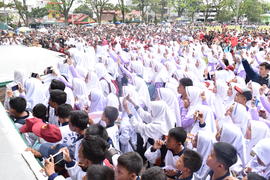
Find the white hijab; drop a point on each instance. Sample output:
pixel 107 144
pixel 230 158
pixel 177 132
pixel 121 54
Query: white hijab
pixel 205 143
pixel 142 90
pixel 81 93
pixel 259 130
pixel 98 101
pixel 35 92
pixel 262 150
pixel 162 120
pixel 169 97
pixel 231 134
pixel 240 117
pixel 221 94
pixel 92 81
pixel 194 96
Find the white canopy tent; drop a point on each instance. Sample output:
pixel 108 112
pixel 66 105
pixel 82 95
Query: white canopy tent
pixel 27 59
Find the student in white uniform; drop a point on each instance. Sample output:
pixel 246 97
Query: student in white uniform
pixel 168 152
pixel 57 97
pixel 78 122
pixel 261 161
pixel 109 116
pixel 68 137
pixel 57 84
pixel 91 151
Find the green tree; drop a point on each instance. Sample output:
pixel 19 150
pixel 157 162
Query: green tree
pixel 84 9
pixel 193 6
pixel 142 7
pixel 98 6
pixel 62 6
pixel 38 12
pixel 123 8
pixel 180 6
pixel 5 17
pixel 22 9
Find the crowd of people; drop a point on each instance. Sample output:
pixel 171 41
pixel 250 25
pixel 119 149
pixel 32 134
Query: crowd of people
pixel 141 102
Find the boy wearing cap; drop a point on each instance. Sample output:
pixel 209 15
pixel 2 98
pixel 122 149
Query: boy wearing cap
pixel 222 157
pixel 243 95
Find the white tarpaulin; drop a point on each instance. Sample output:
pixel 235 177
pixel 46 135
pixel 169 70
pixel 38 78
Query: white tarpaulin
pixel 28 59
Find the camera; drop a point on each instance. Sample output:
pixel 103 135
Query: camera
pixel 34 75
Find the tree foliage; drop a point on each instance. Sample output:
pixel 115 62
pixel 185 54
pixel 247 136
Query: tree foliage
pixel 98 6
pixel 62 6
pixel 84 9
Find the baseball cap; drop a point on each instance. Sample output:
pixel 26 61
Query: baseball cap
pixel 29 122
pixel 49 132
pixel 244 91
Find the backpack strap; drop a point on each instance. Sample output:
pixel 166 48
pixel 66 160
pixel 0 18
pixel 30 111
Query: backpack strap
pixel 109 85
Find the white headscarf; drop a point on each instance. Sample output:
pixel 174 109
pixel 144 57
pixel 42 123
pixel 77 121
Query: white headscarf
pixel 262 150
pixel 240 117
pixel 112 100
pixel 259 130
pixel 255 87
pixel 221 94
pixel 162 120
pixel 92 81
pixel 35 92
pixel 161 74
pixel 81 93
pixel 231 134
pixel 142 90
pixel 194 96
pixel 137 67
pixel 19 77
pixel 169 97
pixel 205 143
pixel 98 101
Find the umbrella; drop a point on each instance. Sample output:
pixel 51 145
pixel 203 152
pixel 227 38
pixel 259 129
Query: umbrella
pixel 24 29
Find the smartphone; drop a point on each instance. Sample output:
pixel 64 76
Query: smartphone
pixel 58 157
pixel 34 75
pixel 14 88
pixel 49 70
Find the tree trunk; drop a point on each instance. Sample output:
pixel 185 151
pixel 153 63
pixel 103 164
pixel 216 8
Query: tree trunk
pixel 123 10
pixel 66 17
pixel 179 12
pixel 26 13
pixel 99 16
pixel 123 15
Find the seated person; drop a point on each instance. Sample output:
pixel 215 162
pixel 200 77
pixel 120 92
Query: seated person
pixel 154 173
pixel 166 153
pixel 17 111
pixel 222 157
pixel 129 166
pixel 188 163
pixel 99 172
